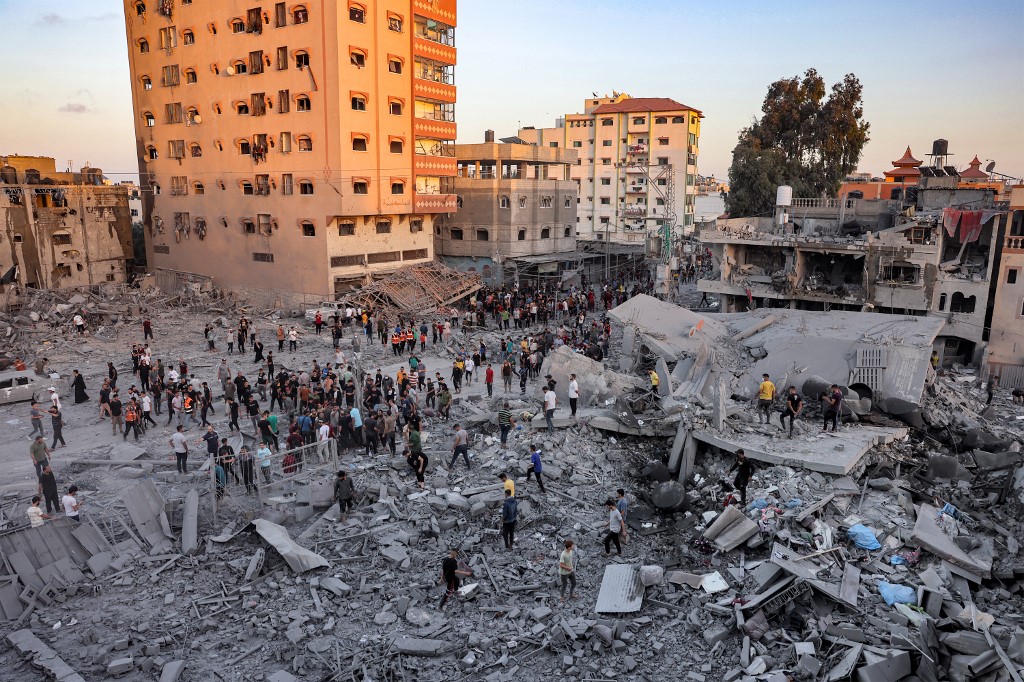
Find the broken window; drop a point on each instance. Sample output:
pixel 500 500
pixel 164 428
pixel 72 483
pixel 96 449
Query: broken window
pixel 357 58
pixel 280 15
pixel 395 65
pixel 254 20
pixel 300 15
pixel 395 108
pixel 396 146
pixel 356 13
pixel 398 188
pixel 305 187
pixel 504 202
pixel 176 149
pixel 395 23
pixel 415 225
pixel 521 236
pixel 308 230
pixel 301 59
pixel 346 229
pixel 302 103
pixel 143 46
pixel 263 185
pixel 247 188
pixel 359 144
pixel 265 223
pixel 284 101
pixel 360 187
pixel 173 113
pixel 383 226
pixel 238 67
pixel 242 108
pixel 263 257
pixel 188 37
pixel 962 304
pixel 190 76
pixel 151 153
pixel 248 226
pixel 258 104
pixel 168 38
pixel 286 143
pixel 545 202
pixel 61 238
pixel 198 188
pixel 305 143
pixel 545 233
pixel 282 58
pixel 192 116
pixel 179 185
pixel 237 26
pixel 256 62
pixel 905 273
pixel 147 83
pixel 287 184
pixel 358 103
pixel 384 257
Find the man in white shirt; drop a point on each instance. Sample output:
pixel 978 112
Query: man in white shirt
pixel 172 376
pixel 79 324
pixel 574 394
pixel 71 504
pixel 54 398
pixel 470 366
pixel 323 434
pixel 35 514
pixel 550 399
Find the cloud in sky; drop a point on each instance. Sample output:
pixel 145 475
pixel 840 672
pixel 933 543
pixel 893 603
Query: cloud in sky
pixel 74 108
pixel 51 19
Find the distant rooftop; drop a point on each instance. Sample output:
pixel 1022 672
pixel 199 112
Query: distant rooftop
pixel 638 104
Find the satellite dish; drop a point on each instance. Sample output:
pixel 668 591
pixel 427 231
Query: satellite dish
pixel 990 167
pixel 230 70
pixel 197 119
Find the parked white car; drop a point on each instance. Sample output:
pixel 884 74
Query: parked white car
pixel 16 387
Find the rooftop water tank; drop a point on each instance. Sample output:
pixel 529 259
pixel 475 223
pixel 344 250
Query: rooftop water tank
pixel 784 196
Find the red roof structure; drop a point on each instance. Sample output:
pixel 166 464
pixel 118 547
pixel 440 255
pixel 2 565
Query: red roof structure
pixel 639 104
pixel 974 172
pixel 905 168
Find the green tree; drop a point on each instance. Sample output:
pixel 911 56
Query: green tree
pixel 803 139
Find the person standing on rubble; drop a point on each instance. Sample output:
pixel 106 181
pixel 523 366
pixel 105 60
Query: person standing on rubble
pixel 622 504
pixel 79 385
pixel 460 447
pixel 550 400
pixel 57 422
pixel 567 570
pixel 247 465
pixel 450 573
pixel 505 423
pixel 535 467
pixel 744 469
pixel 614 524
pixel 509 512
pixel 833 404
pixel 344 494
pixel 993 384
pixel 794 404
pixel 574 394
pixel 36 417
pixel 116 414
pixel 765 396
pixel 79 323
pixel 179 443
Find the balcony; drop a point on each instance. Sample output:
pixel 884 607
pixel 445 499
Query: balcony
pixel 1014 243
pixel 432 90
pixel 435 125
pixel 637 149
pixel 634 210
pixel 427 164
pixel 434 203
pixel 636 189
pixel 635 168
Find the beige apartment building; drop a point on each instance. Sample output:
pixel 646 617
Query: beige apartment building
pixel 62 229
pixel 517 209
pixel 300 148
pixel 1006 341
pixel 637 165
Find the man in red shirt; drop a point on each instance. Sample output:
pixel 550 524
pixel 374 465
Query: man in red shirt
pixel 489 380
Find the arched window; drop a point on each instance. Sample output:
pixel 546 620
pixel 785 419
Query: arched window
pixel 521 236
pixel 942 302
pixel 238 66
pixel 242 108
pixel 304 143
pixel 192 116
pixel 358 103
pixel 300 14
pixel 568 231
pixel 545 202
pixel 357 13
pixel 308 230
pixel 962 304
pixel 522 202
pixel 398 187
pixel 456 233
pixel 661 120
pixel 301 59
pixel 147 83
pixel 244 146
pixel 149 119
pixel 305 187
pixel 482 235
pixel 237 25
pixel 383 226
pixel 190 76
pixel 151 153
pixel 143 46
pixel 545 233
pixel 195 150
pixel 188 37
pixel 198 188
pixel 302 103
pixel 248 226
pixel 503 202
pixel 140 8
pixel 247 187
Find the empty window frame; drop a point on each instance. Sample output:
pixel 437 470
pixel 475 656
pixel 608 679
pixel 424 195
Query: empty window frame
pixel 359 143
pixel 303 103
pixel 287 184
pixel 308 229
pixel 305 187
pixel 300 15
pixel 357 13
pixel 397 187
pixel 304 143
pixel 358 102
pixel 301 59
pixel 360 187
pixel 905 273
pixel 347 229
pixel 396 146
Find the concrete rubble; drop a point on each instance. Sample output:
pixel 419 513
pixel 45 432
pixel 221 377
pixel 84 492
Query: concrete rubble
pixel 156 585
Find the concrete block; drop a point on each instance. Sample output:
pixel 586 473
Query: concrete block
pixel 418 647
pixel 335 586
pixel 651 575
pixel 715 634
pixel 884 668
pixel 618 647
pixel 694 677
pixel 172 671
pixel 122 644
pixel 630 663
pixel 121 666
pixel 540 613
pixel 282 676
pixel 303 512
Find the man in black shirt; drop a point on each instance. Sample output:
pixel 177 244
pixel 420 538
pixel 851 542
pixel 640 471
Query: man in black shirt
pixel 794 404
pixel 744 472
pixel 450 575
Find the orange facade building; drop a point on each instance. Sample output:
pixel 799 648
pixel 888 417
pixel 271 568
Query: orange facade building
pixel 301 148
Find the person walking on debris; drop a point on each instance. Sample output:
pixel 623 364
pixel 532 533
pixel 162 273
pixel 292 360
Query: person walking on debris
pixel 574 394
pixel 263 455
pixel 35 514
pixel 179 443
pixel 833 405
pixel 48 485
pixel 418 463
pixel 765 396
pixel 509 512
pixel 450 573
pixel 567 570
pixel 71 505
pixel 507 483
pixel 744 469
pixel 993 384
pixel 460 447
pixel 78 383
pixel 794 404
pixel 57 422
pixel 622 504
pixel 505 423
pixel 535 468
pixel 344 493
pixel 36 417
pixel 1018 396
pixel 225 456
pixel 614 524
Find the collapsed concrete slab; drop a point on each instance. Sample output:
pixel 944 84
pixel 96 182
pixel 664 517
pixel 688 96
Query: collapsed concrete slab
pixel 597 383
pixel 42 656
pixel 622 590
pixel 298 558
pixel 731 529
pixel 929 535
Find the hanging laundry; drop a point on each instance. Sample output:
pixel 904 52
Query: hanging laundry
pixel 950 218
pixel 970 226
pixel 988 214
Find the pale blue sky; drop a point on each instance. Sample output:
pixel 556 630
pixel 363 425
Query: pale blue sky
pixel 930 69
